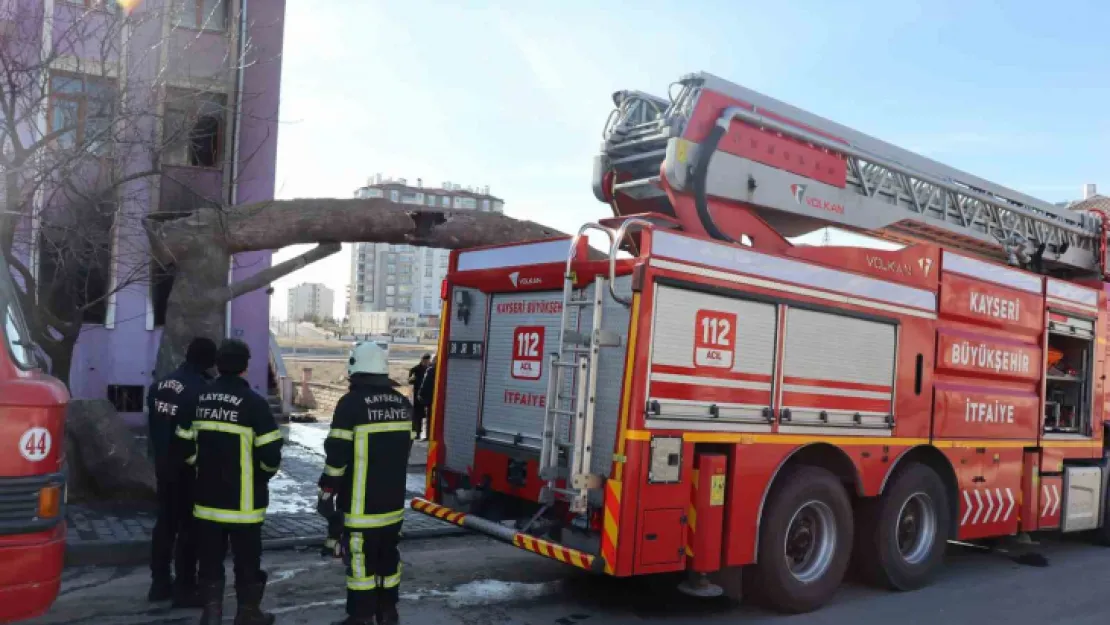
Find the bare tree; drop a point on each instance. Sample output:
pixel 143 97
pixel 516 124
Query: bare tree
pixel 92 125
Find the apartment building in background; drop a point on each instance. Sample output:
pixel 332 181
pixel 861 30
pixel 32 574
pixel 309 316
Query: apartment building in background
pixel 207 74
pixel 403 278
pixel 310 300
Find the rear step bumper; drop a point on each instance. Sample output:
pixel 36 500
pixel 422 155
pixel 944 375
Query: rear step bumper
pixel 566 555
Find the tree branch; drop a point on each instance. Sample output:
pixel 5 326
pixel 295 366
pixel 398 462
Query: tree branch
pixel 266 276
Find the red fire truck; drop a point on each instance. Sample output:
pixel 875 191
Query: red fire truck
pixel 32 483
pixel 712 399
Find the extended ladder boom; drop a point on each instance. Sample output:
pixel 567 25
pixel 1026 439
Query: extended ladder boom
pixel 800 172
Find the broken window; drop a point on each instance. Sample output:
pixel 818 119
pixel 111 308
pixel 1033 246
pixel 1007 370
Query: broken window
pixel 75 264
pixel 193 132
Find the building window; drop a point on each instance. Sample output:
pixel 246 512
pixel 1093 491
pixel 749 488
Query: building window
pixel 390 290
pixel 161 283
pixel 446 202
pixel 388 301
pixel 432 200
pixel 202 14
pixel 485 205
pixel 427 303
pixel 126 397
pixel 427 271
pixel 394 196
pixel 81 111
pixel 498 206
pixel 193 131
pixel 75 262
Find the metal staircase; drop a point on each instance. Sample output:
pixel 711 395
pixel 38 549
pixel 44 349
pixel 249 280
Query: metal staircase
pixel 891 192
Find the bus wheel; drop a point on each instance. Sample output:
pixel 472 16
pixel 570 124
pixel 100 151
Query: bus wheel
pixel 901 536
pixel 805 542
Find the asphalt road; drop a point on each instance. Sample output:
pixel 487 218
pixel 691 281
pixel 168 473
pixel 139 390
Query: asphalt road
pixel 474 581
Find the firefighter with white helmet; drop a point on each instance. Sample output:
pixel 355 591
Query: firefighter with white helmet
pixel 364 480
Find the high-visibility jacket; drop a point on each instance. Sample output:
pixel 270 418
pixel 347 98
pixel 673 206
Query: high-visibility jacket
pixel 368 453
pixel 235 445
pixel 168 400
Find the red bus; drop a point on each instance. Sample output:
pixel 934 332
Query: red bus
pixel 32 481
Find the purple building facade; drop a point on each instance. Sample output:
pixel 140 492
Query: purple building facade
pixel 219 62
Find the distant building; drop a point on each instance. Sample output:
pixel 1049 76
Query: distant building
pixel 310 301
pixel 403 278
pixel 1091 200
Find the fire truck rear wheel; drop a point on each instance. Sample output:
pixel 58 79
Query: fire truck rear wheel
pixel 901 536
pixel 805 542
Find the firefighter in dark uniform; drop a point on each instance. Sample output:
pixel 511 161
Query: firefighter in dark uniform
pixel 168 400
pixel 236 449
pixel 364 478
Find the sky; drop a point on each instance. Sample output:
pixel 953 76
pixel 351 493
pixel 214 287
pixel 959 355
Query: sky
pixel 514 94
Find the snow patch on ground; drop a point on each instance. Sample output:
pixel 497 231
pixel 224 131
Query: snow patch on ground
pixel 414 483
pixel 308 437
pixel 289 496
pixel 486 592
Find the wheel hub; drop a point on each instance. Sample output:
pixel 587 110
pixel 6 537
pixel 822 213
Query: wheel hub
pixel 916 528
pixel 810 541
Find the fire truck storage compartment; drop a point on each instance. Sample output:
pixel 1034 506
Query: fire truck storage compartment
pixel 464 376
pixel 712 359
pixel 837 371
pixel 1068 379
pixel 663 536
pixel 498 402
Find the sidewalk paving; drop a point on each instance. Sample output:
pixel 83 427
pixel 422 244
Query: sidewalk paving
pixel 117 535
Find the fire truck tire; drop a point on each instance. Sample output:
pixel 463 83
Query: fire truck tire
pixel 901 536
pixel 805 542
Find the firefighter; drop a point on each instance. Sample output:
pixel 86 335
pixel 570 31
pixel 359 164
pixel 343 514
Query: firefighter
pixel 235 446
pixel 364 478
pixel 168 400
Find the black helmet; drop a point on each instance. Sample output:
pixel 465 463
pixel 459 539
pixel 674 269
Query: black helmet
pixel 232 357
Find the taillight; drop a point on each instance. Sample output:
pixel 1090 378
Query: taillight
pixel 50 501
pixel 443 290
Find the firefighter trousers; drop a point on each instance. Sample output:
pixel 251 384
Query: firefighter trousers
pixel 246 550
pixel 373 572
pixel 174 537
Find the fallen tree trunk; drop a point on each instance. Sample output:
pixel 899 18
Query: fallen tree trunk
pixel 201 244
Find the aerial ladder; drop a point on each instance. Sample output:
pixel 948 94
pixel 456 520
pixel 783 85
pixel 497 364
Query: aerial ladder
pixel 733 164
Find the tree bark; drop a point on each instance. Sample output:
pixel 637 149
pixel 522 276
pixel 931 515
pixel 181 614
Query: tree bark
pixel 200 245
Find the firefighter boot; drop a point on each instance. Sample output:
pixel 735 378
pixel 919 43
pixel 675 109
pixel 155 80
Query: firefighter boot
pixel 161 589
pixel 186 595
pixel 355 620
pixel 250 603
pixel 212 597
pixel 387 615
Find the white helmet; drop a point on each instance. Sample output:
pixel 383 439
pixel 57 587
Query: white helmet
pixel 367 357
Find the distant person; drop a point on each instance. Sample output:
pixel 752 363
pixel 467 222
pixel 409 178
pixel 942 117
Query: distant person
pixel 235 445
pixel 419 408
pixel 427 390
pixel 365 473
pixel 167 401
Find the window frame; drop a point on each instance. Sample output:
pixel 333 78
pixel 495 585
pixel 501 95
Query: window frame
pixel 81 99
pixel 199 16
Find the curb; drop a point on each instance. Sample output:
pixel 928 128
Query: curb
pixel 135 552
